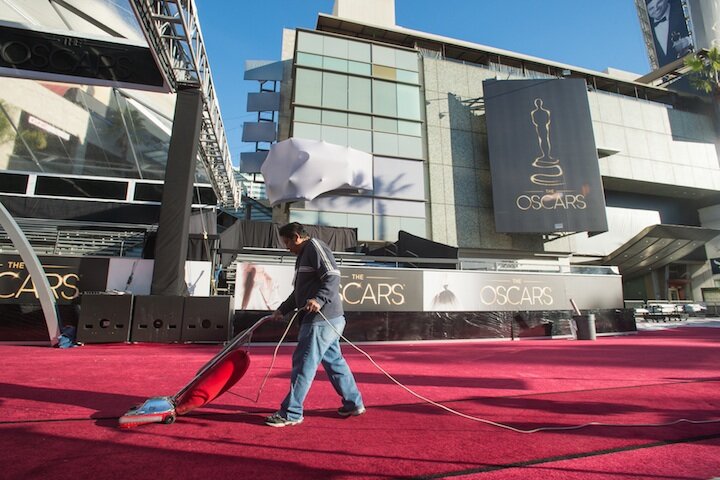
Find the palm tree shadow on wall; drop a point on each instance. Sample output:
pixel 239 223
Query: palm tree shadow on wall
pixel 466 119
pixel 389 189
pixel 469 148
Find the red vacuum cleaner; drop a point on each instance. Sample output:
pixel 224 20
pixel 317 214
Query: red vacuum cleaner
pixel 213 379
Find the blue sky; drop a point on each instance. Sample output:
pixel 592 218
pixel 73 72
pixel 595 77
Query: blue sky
pixel 593 34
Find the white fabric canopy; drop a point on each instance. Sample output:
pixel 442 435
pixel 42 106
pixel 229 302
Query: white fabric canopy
pixel 300 169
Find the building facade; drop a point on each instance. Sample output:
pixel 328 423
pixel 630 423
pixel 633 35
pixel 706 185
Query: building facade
pixel 416 102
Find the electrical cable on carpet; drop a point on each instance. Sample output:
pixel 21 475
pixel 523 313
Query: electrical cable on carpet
pixel 274 356
pixel 464 415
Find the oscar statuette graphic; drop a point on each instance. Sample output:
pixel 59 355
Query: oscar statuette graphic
pixel 551 171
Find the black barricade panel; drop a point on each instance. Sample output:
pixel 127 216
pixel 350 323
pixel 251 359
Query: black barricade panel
pixel 104 318
pixel 207 319
pixel 157 318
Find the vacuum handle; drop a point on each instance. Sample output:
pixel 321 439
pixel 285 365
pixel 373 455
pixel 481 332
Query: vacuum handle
pixel 237 340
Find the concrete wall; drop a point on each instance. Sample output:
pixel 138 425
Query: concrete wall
pixel 459 170
pixel 655 143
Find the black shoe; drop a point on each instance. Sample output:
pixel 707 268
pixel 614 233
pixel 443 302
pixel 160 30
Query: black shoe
pixel 277 420
pixel 351 411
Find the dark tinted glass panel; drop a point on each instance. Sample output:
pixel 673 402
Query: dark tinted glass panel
pixel 11 183
pixel 77 187
pixel 204 195
pixel 148 192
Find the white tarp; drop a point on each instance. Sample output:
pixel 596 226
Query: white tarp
pixel 300 169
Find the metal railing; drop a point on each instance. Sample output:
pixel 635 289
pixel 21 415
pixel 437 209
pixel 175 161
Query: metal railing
pixel 79 238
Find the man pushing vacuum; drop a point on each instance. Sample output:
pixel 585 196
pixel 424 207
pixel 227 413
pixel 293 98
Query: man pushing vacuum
pixel 316 300
pixel 317 291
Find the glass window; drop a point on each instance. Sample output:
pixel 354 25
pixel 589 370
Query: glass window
pixel 335 91
pixel 306 217
pixel 364 225
pixel 309 42
pixel 335 47
pixel 342 204
pixel 385 144
pixel 385 125
pixel 336 135
pixel 408 101
pixel 12 183
pixel 406 60
pixel 309 60
pixel 360 121
pixel 149 143
pixel 85 130
pixel 386 228
pixel 410 128
pixel 359 52
pixel 337 64
pixel 400 208
pixel 384 98
pixel 311 115
pixel 396 178
pixel 148 192
pixel 360 140
pixel 332 219
pixel 410 147
pixel 416 226
pixel 338 119
pixel 383 56
pixel 406 76
pixel 359 97
pixel 204 195
pixel 80 187
pixel 387 73
pixel 308 87
pixel 359 68
pixel 307 130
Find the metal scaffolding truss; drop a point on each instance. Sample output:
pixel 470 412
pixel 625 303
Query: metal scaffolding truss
pixel 173 31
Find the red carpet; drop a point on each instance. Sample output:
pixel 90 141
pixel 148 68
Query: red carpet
pixel 59 409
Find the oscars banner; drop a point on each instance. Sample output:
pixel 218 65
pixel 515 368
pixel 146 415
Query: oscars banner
pixel 543 158
pixel 367 289
pixel 476 292
pixel 265 287
pixel 68 278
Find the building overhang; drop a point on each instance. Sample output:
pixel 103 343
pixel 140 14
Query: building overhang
pixel 657 246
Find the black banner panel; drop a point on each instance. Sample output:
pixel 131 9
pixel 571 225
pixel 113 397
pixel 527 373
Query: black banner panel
pixel 543 158
pixel 65 58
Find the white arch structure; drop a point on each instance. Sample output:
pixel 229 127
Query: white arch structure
pixel 36 271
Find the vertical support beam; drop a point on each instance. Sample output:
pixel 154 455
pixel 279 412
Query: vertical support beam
pixel 172 237
pixel 36 271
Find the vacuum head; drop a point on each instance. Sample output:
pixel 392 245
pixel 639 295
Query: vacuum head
pixel 153 410
pixel 212 380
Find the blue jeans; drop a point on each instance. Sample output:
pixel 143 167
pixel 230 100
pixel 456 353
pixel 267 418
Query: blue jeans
pixel 319 343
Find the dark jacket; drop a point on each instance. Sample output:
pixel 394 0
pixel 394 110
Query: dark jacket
pixel 316 276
